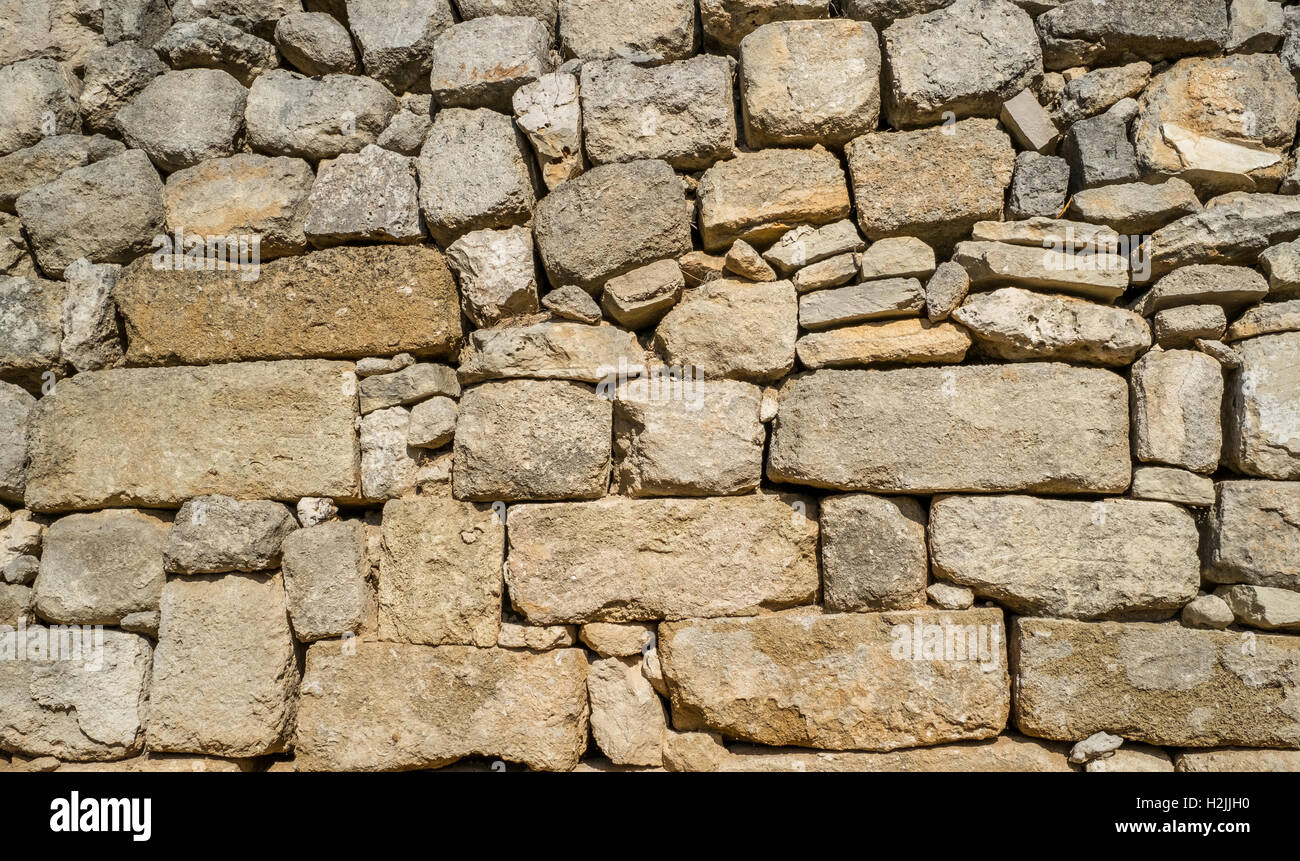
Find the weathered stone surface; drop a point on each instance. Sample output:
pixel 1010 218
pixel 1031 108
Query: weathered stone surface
pixel 255 16
pixel 627 717
pixel 549 113
pixel 1133 758
pixel 828 273
pixel 409 128
pixel 433 423
pixel 688 438
pixel 98 568
pixel 1059 234
pixel 211 44
pixel 1100 276
pixel 945 291
pixel 532 439
pixel 32 311
pixel 626 215
pixel 497 274
pixel 787 679
pixel 1017 324
pixel 627 560
pixel 965 59
pixel 656 31
pixel 1135 208
pixel 1090 94
pixel 396 41
pixel 1006 753
pixel 1262 428
pixel 809 82
pixel 1119 29
pixel 907 341
pixel 1042 557
pixel 728 22
pixel 88 705
pixel 1153 683
pixel 806 245
pixel 1265 607
pixel 743 260
pixel 1229 286
pixel 682 113
pixel 897 257
pixel 1237 760
pixel 1281 264
pixel 388 462
pixel 1167 484
pixel 733 329
pixel 1254 25
pixel 873 553
pixel 274 430
pixel 393 707
pixel 481 62
pixel 25 169
pixel 546 11
pixel 16 604
pixel 15 405
pixel 1182 326
pixel 549 351
pixel 1177 400
pixel 315 118
pixel 107 212
pixel 368 196
pixel 217 534
pixel 1099 151
pixel 1044 427
pixel 1029 122
pixel 614 640
pixel 242 705
pixel 245 194
pixel 1269 318
pixel 936 203
pixel 761 195
pixel 315 43
pixel 184 117
pixel 325 568
pixel 1039 186
pixel 39 98
pixel 872 300
pixel 1254 537
pixel 113 76
pixel 339 303
pixel 641 297
pixel 1207 611
pixel 536 637
pixel 440 573
pixel 1232 228
pixel 572 303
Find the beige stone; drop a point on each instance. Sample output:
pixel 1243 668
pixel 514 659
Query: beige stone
pixel 1262 424
pixel 1237 760
pixel 1006 753
pixel 1254 534
pixel 733 329
pixel 627 716
pixel 615 640
pixel 874 555
pixel 1269 318
pixel 1100 276
pixel 1177 402
pixel 549 351
pixel 1016 324
pixel 907 341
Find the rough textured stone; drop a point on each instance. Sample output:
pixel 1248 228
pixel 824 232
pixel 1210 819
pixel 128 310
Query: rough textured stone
pixel 873 553
pixel 1181 326
pixel 1039 186
pixel 96 569
pixel 1135 208
pixel 614 640
pixel 572 303
pixel 629 215
pixel 1029 122
pixel 1044 427
pixel 497 274
pixel 388 462
pixel 549 113
pixel 1095 275
pixel 827 273
pixel 627 717
pixel 688 438
pixel 937 202
pixel 1267 319
pixel 1167 484
pixel 549 351
pixel 1150 29
pixel 338 303
pixel 1237 760
pixel 316 44
pixel 1091 93
pixel 256 16
pixel 1207 611
pixel 907 341
pixel 1229 286
pixel 396 40
pixel 315 118
pixel 88 708
pixel 744 261
pixel 1099 151
pixel 1006 753
pixel 1254 537
pixel 1265 607
pixel 627 560
pixel 806 245
pixel 651 30
pixel 217 534
pixel 1262 426
pixel 276 430
pixel 440 573
pixel 370 196
pixel 211 44
pixel 546 11
pixel 536 637
pixel 113 76
pixel 37 97
pixel 872 300
pixel 325 569
pixel 107 212
pixel 641 297
pixel 682 113
pixel 15 405
pixel 393 707
pixel 809 82
pixel 945 291
pixel 786 679
pixel 965 59
pixel 242 705
pixel 1281 264
pixel 1153 683
pixel 25 169
pixel 1232 228
pixel 728 22
pixel 32 311
pixel 1040 557
pixel 433 423
pixel 1017 324
pixel 1177 400
pixel 897 257
pixel 184 117
pixel 532 439
pixel 481 62
pixel 733 329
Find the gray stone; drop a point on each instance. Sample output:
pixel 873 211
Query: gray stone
pixel 370 196
pixel 255 16
pixel 38 98
pixel 1207 611
pixel 1097 746
pixel 474 174
pixel 1090 94
pixel 1264 607
pixel 1232 228
pixel 1135 208
pixel 1039 186
pixel 182 118
pixel 325 570
pixel 143 21
pixel 1281 264
pixel 15 405
pixel 945 291
pixel 1262 424
pixel 546 11
pixel 21 570
pixel 1095 274
pixel 549 113
pixel 654 30
pixel 1177 401
pixel 1029 122
pixel 396 41
pixel 872 300
pixel 315 118
pixel 113 77
pixel 733 329
pixel 1049 428
pixel 806 245
pixel 1254 536
pixel 90 337
pixel 555 351
pixel 1079 32
pixel 496 272
pixel 217 534
pixel 572 303
pixel 873 553
pixel 1228 286
pixel 32 312
pixel 946 596
pixel 827 273
pixel 642 297
pixel 406 133
pixel 532 439
pixel 433 423
pixel 481 62
pixel 1099 152
pixel 25 169
pixel 1181 326
pixel 897 257
pixel 408 385
pixel 682 113
pixel 389 464
pixel 881 13
pixel 211 44
pixel 315 44
pixel 1167 484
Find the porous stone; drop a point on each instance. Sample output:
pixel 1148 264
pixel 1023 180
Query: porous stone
pixel 15 405
pixel 546 11
pixel 315 118
pixel 536 637
pixel 497 274
pixel 1039 557
pixel 549 113
pixel 255 16
pixel 389 464
pixel 549 351
pixel 1207 611
pixel 810 82
pixel 617 640
pixel 1281 264
pixel 211 44
pixel 688 438
pixel 627 717
pixel 183 117
pixel 242 705
pixel 945 291
pixel 728 22
pixel 113 76
pixel 1181 326
pixel 682 113
pixel 1075 32
pixel 217 534
pixel 442 704
pixel 653 31
pixel 25 169
pixel 1237 760
pixel 370 196
pixel 871 300
pixel 433 423
pixel 1269 318
pixel 1253 536
pixel 1262 424
pixel 1136 208
pixel 1177 401
pixel 440 573
pixel 641 297
pixel 316 44
pixel 315 510
pixel 396 41
pixel 949 597
pixel 1091 93
pixel 732 329
pixel 936 203
pixel 1036 426
pixel 97 569
pixel 1228 286
pixel 805 245
pixel 1016 324
pixel 1265 607
pixel 32 311
pixel 481 62
pixel 572 303
pixel 532 439
pixel 735 676
pixel 39 99
pixel 1150 682
pixel 759 196
pixel 325 569
pixel 827 273
pixel 1039 186
pixel 627 560
pixel 744 261
pixel 873 553
pixel 1232 228
pixel 1099 275
pixel 1168 484
pixel 274 430
pixel 906 341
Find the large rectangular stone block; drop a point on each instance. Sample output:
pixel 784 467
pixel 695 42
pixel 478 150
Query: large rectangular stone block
pixel 1045 427
pixel 154 437
pixel 855 681
pixel 391 707
pixel 1160 683
pixel 622 560
pixel 1263 415
pixel 1254 534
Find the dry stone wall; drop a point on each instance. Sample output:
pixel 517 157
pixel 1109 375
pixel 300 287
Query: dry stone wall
pixel 649 384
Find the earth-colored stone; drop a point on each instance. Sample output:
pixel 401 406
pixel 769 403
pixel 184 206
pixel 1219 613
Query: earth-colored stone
pixel 873 553
pixel 549 351
pixel 1269 318
pixel 1177 406
pixel 1101 276
pixel 733 329
pixel 870 300
pixel 653 31
pixel 1168 484
pixel 217 534
pixel 1265 607
pixel 906 341
pixel 627 716
pixel 1184 325
pixel 1262 424
pixel 314 118
pixel 480 63
pixel 1254 534
pixel 1136 208
pixel 1016 324
pixel 325 570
